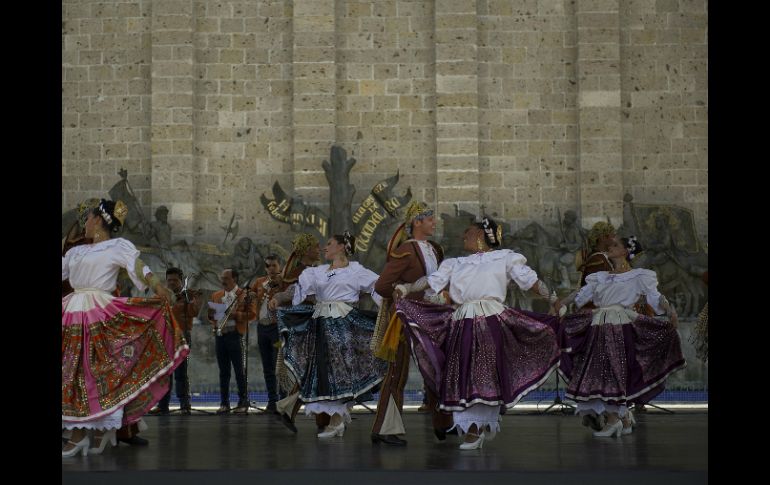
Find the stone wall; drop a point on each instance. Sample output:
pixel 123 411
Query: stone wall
pixel 522 107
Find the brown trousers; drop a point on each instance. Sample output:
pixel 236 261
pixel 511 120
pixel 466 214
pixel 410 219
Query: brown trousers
pixel 393 385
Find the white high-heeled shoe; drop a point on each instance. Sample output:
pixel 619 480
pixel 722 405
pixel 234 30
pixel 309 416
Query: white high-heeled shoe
pixel 332 431
pixel 80 445
pixel 628 419
pixel 615 428
pixel 631 418
pixel 107 436
pixel 479 443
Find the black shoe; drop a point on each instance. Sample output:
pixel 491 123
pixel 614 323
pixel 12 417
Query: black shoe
pixel 440 434
pixel 158 411
pixel 287 422
pixel 271 408
pixel 388 439
pixel 241 410
pixel 134 441
pixel 185 411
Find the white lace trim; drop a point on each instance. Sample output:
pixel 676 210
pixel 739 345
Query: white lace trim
pixel 482 416
pixel 111 421
pixel 331 408
pixel 598 406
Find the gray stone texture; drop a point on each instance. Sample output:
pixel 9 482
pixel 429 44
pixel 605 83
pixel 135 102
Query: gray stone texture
pixel 520 107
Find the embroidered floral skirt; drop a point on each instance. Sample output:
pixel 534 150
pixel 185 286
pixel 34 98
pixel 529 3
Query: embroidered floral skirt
pixel 117 355
pixel 330 357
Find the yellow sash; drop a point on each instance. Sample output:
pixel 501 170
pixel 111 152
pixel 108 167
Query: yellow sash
pixel 393 335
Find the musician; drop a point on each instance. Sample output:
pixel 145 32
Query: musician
pixel 184 310
pixel 240 309
pixel 267 329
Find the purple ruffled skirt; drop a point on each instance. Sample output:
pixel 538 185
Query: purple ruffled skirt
pixel 619 363
pixel 494 360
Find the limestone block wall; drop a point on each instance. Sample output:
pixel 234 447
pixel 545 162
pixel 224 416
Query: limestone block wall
pixel 520 107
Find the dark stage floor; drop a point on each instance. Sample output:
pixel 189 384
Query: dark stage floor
pixel 531 448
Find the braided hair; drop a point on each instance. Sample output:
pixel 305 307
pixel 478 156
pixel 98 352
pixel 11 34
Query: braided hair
pixel 493 233
pixel 106 212
pixel 347 240
pixel 632 245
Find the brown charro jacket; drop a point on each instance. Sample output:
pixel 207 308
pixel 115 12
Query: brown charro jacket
pixel 404 265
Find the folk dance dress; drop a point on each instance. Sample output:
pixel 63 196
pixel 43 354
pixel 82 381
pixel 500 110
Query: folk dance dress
pixel 117 353
pixel 618 355
pixel 327 344
pixel 480 355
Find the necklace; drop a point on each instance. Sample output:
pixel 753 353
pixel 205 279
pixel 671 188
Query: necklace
pixel 623 268
pixel 332 267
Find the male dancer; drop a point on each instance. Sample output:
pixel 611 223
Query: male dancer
pixel 410 256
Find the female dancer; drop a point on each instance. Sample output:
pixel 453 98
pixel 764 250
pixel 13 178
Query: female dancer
pixel 481 355
pixel 327 344
pixel 617 354
pixel 117 353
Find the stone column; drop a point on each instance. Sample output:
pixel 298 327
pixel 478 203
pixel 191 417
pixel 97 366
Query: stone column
pixel 314 100
pixel 457 139
pixel 600 136
pixel 171 136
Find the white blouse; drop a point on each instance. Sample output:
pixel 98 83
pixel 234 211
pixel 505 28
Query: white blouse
pixel 341 285
pixel 479 282
pixel 97 265
pixel 606 289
